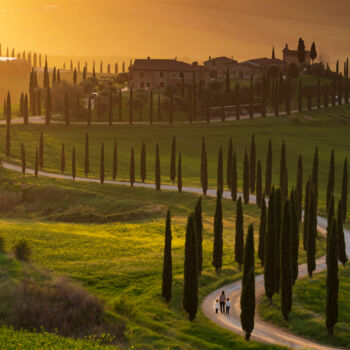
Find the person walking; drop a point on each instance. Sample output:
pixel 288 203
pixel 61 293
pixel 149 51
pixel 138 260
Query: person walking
pixel 228 305
pixel 222 300
pixel 217 305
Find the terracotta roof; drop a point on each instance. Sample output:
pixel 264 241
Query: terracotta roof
pixel 163 65
pixel 221 58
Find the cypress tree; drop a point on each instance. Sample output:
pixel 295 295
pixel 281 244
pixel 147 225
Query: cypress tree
pixel 312 233
pixel 239 238
pixel 132 167
pixel 344 191
pixel 340 91
pixel 331 214
pixel 179 174
pixel 120 105
pixel 259 185
pixel 299 189
pixel 199 230
pixel 36 166
pixel 286 261
pixel 190 298
pixel 262 231
pixel 314 178
pixel 110 109
pixel 8 141
pixel 151 107
pixel 41 151
pixel 346 90
pixel 89 114
pixel 75 76
pixel 204 168
pixel 229 163
pixel 8 109
pixel 278 226
pixel 63 159
pixel 115 161
pixel 332 280
pixel 268 176
pixel 25 110
pixel 246 179
pixel 295 234
pixel 234 177
pixel 143 162
pixel 48 107
pixel 102 164
pixel 73 164
pixel 157 168
pixel 38 102
pixel 87 156
pixel 23 159
pixel 248 286
pixel 66 110
pixel 343 258
pixel 218 241
pixel 167 280
pixel 252 164
pixel 220 175
pixel 283 166
pixel 300 98
pixel 330 186
pixel 131 115
pixel 173 161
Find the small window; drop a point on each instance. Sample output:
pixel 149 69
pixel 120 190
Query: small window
pixel 161 74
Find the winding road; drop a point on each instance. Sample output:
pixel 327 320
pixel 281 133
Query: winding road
pixel 263 331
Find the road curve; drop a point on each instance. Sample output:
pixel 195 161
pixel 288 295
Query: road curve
pixel 263 331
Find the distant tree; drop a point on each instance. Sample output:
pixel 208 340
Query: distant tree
pixel 89 113
pixel 75 77
pixel 63 159
pixel 344 193
pixel 248 286
pixel 218 229
pixel 252 164
pixel 314 178
pixel 132 167
pixel 262 231
pixel 173 161
pixel 268 176
pixel 41 151
pixel 229 163
pixel 157 168
pixel 167 280
pixel 25 110
pixel 313 52
pixel 48 107
pixel 246 178
pixel 308 186
pixel 343 258
pixel 204 168
pixel 143 162
pixel 301 51
pixel 8 109
pixel 273 53
pixel 36 164
pixel 234 177
pixel 102 164
pixel 23 159
pixel 331 179
pixel 332 279
pixel 190 297
pixel 299 189
pixel 278 200
pixel 199 230
pixel 259 185
pixel 295 235
pixel 239 238
pixel 220 175
pixel 38 102
pixel 87 156
pixel 312 233
pixel 73 164
pixel 283 166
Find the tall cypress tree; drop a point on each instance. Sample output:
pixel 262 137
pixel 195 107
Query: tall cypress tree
pixel 299 189
pixel 115 160
pixel 41 151
pixel 220 172
pixel 73 164
pixel 36 164
pixel 248 286
pixel 23 159
pixel 218 229
pixel 259 185
pixel 173 161
pixel 239 238
pixel 204 168
pixel 167 280
pixel 87 156
pixel 252 164
pixel 278 226
pixel 234 177
pixel 25 110
pixel 332 280
pixel 246 179
pixel 8 109
pixel 312 233
pixel 344 190
pixel 102 164
pixel 268 176
pixel 157 168
pixel 179 174
pixel 89 112
pixel 63 159
pixel 199 230
pixel 229 163
pixel 143 162
pixel 286 279
pixel 331 175
pixel 8 141
pixel 262 231
pixel 283 166
pixel 295 234
pixel 343 258
pixel 314 178
pixel 190 297
pixel 132 167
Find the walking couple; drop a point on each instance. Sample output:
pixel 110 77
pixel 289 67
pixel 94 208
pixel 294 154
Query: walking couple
pixel 223 303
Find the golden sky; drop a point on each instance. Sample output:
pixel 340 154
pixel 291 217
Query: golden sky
pixel 167 28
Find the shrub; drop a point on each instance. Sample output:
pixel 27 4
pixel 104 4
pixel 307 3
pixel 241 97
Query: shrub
pixel 22 250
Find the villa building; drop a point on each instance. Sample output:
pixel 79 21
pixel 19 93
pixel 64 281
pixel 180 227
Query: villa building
pixel 291 56
pixel 217 67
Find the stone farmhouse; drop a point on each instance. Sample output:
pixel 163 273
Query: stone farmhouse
pixel 291 56
pixel 216 68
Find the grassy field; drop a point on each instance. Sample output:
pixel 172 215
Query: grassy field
pixel 121 261
pixel 301 133
pixel 308 315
